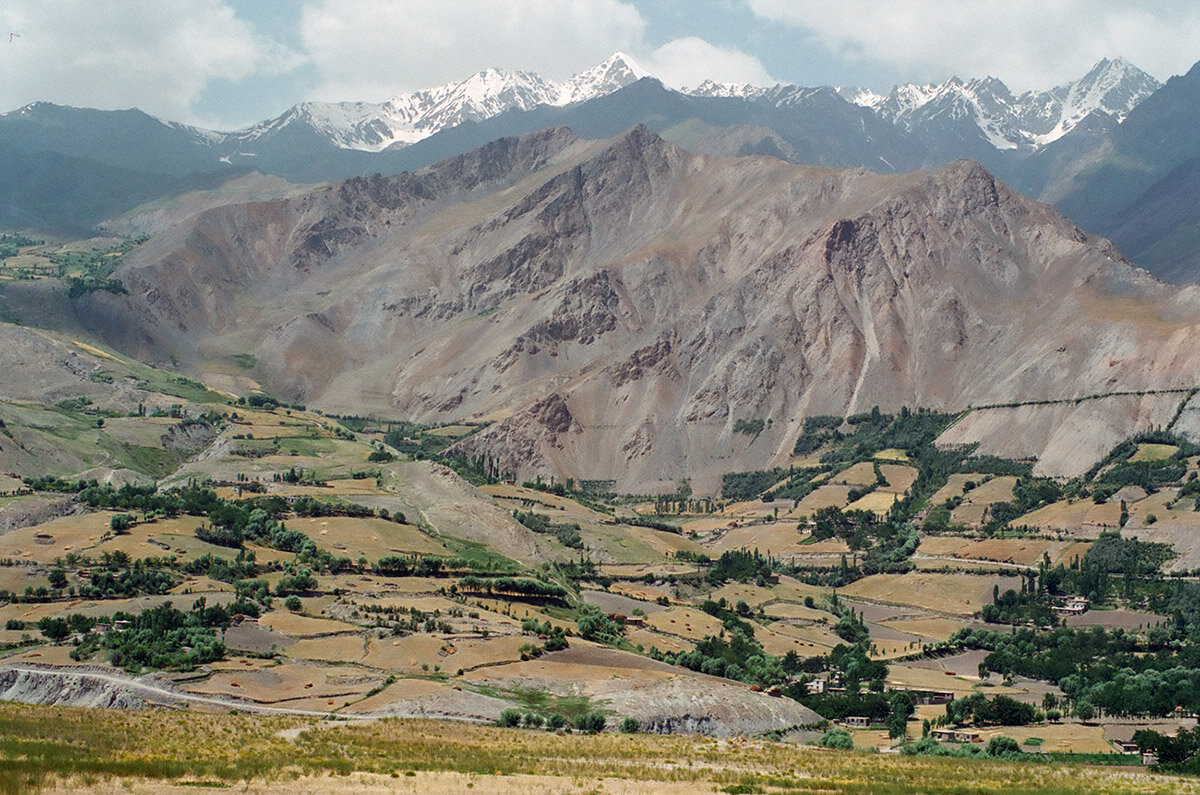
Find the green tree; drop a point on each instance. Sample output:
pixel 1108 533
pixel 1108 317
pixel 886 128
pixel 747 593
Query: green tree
pixel 55 629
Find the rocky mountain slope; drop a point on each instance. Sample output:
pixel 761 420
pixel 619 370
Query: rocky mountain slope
pixel 617 307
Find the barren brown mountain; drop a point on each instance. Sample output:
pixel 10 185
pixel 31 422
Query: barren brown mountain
pixel 617 306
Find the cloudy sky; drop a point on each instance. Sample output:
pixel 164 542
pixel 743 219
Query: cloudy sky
pixel 227 63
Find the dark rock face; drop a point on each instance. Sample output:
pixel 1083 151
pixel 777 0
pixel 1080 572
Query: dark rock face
pixel 553 415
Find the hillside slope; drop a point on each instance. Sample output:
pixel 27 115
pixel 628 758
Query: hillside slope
pixel 619 306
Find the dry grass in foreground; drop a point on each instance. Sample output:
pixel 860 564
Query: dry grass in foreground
pixel 79 749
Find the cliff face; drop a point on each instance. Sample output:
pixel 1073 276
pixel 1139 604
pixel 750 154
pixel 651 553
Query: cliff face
pixel 617 306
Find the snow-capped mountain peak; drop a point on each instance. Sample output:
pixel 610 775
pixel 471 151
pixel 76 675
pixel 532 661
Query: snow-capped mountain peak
pixel 1112 87
pixel 407 118
pixel 615 72
pixel 1032 120
pixel 864 97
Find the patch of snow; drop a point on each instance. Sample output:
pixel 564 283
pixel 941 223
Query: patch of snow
pixel 711 88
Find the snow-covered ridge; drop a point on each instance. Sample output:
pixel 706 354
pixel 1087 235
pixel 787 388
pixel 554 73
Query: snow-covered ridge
pixel 1031 120
pixel 980 108
pixel 407 118
pixel 983 106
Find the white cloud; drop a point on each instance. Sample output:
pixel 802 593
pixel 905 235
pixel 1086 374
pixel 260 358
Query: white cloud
pixel 689 61
pixel 363 49
pixel 159 56
pixel 1026 43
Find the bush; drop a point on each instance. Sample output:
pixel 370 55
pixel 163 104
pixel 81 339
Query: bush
pixel 120 523
pixel 556 721
pixel 510 718
pixel 630 725
pixel 293 603
pixel 591 722
pixel 1002 746
pixel 838 739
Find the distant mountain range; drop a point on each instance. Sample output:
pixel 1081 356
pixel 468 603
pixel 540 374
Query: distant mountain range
pixel 1095 147
pixel 1031 120
pixel 407 118
pixel 1028 121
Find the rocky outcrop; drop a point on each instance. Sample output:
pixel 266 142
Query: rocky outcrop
pixel 65 690
pixel 189 437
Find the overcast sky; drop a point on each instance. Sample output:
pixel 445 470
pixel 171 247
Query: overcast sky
pixel 227 63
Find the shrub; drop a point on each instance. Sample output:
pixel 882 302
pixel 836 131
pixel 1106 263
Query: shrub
pixel 630 725
pixel 120 523
pixel 1002 746
pixel 510 718
pixel 838 739
pixel 591 722
pixel 556 721
pixel 293 603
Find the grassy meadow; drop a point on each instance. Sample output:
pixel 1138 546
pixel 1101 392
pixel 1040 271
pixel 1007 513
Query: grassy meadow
pixel 54 748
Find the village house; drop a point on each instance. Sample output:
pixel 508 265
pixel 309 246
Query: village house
pixel 1072 606
pixel 956 736
pixel 927 696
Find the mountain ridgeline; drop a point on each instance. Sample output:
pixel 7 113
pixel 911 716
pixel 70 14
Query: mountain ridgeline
pixel 619 308
pixel 1113 150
